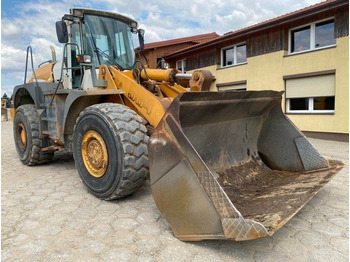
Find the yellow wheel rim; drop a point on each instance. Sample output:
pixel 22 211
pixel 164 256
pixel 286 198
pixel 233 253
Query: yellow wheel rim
pixel 94 152
pixel 21 136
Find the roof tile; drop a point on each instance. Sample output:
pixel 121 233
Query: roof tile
pixel 196 39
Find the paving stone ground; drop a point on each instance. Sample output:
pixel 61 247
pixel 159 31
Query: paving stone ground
pixel 47 215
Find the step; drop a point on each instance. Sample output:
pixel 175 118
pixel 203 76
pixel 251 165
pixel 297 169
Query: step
pixel 49 119
pixel 47 105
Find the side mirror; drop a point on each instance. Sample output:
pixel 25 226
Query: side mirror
pixel 61 31
pixel 141 34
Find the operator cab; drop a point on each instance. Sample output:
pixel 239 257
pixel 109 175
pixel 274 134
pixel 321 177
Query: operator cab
pixel 93 38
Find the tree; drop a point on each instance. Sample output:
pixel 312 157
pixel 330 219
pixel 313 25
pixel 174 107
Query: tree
pixel 4 97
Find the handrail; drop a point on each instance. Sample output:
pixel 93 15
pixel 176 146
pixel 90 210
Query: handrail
pixel 36 90
pixel 29 48
pixel 48 61
pixel 61 74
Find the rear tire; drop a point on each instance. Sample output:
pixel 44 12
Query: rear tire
pixel 27 139
pixel 110 150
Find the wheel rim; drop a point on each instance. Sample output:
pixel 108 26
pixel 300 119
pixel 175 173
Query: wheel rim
pixel 21 136
pixel 94 152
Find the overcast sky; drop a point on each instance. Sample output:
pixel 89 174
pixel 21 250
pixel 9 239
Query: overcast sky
pixel 32 23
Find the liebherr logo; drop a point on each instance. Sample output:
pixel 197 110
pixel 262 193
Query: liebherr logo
pixel 140 102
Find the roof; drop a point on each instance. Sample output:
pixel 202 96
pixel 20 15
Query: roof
pixel 102 13
pixel 194 39
pixel 310 10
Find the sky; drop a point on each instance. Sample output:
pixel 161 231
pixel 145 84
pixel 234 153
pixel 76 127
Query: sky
pixel 32 22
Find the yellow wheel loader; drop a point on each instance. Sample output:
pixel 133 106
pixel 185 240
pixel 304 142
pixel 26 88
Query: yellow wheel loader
pixel 4 116
pixel 222 164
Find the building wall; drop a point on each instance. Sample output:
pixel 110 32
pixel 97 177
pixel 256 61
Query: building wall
pixel 263 41
pixel 268 63
pixel 334 58
pixel 265 72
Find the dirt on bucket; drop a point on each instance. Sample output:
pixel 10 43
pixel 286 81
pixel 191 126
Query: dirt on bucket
pixel 269 196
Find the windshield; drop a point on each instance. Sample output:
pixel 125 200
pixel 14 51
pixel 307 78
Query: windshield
pixel 113 40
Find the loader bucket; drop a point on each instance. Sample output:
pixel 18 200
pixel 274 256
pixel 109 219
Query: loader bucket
pixel 232 165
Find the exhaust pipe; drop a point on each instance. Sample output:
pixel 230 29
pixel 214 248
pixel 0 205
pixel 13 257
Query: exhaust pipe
pixel 53 54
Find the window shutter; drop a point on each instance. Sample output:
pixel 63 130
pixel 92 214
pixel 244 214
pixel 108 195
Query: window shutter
pixel 232 87
pixel 315 86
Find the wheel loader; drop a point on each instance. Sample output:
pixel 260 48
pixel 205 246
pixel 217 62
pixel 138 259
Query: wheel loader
pixel 4 116
pixel 223 165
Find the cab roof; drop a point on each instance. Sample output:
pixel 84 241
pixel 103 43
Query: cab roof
pixel 74 11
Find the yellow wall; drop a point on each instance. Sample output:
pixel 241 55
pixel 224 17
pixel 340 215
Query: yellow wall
pixel 265 72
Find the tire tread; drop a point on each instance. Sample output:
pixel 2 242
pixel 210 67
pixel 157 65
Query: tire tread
pixel 133 136
pixel 37 156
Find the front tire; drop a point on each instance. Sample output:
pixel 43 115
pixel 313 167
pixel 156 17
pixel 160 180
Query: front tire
pixel 110 150
pixel 27 139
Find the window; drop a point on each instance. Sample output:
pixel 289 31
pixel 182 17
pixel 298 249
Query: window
pixel 119 40
pixel 161 64
pixel 102 43
pixel 228 57
pixel 238 86
pixel 181 65
pixel 75 51
pixel 313 94
pixel 312 36
pixel 113 39
pixel 234 55
pixel 300 39
pixel 324 33
pixel 311 105
pixel 241 54
pixel 75 32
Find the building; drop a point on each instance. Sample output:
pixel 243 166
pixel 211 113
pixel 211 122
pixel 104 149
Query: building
pixel 154 52
pixel 304 53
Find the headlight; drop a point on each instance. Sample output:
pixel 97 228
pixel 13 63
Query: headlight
pixel 84 59
pixel 133 30
pixel 77 12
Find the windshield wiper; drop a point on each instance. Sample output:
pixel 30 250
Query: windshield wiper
pixel 99 51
